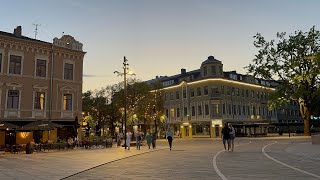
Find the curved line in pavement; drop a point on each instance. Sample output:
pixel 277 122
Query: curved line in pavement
pixel 284 164
pixel 214 162
pixel 110 162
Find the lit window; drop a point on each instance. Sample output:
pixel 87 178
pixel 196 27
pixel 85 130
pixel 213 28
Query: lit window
pixel 39 100
pixel 67 102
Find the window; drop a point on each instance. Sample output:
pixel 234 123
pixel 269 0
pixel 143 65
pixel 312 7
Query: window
pixel 0 61
pixel 206 109
pixel 221 71
pixel 198 91
pixel 253 110
pixel 233 91
pixel 68 71
pixel 237 92
pixel 199 110
pixel 172 112
pixel 242 92
pixel 178 112
pixel 229 109
pixel 205 71
pixel 239 109
pixel 13 99
pixel 184 93
pixel 67 102
pixel 191 93
pixel 234 110
pixel 252 94
pixel 247 93
pixel 213 70
pixel 185 111
pixel 228 90
pixel 215 108
pixel 258 96
pixel 205 90
pixel 39 100
pixel 224 108
pixel 15 64
pixel 244 110
pixel 193 111
pixel 167 112
pixel 177 95
pixel 41 68
pixel 166 96
pixel 171 97
pixel 222 89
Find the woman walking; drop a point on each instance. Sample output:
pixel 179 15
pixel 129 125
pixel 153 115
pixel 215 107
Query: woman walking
pixel 232 136
pixel 149 139
pixel 169 136
pixel 128 140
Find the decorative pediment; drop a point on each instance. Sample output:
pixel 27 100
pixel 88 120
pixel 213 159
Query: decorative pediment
pixel 40 87
pixel 14 84
pixel 67 88
pixel 69 42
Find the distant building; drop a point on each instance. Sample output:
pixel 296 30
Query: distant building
pixel 199 102
pixel 39 81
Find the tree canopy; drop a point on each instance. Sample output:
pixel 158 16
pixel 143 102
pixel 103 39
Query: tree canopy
pixel 294 61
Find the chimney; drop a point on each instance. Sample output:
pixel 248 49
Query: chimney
pixel 183 71
pixel 17 31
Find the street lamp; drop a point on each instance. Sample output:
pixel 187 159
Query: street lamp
pixel 124 74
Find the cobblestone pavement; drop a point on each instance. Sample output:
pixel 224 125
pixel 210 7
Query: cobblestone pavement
pixel 253 158
pixel 193 159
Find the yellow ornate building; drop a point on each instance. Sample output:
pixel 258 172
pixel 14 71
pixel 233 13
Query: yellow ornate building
pixel 39 81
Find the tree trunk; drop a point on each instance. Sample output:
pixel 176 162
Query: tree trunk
pixel 306 121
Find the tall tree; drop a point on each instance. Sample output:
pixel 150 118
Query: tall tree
pixel 294 61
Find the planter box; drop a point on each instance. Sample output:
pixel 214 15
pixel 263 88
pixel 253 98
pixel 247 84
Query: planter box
pixel 315 139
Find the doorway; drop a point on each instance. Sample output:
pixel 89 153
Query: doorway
pixel 216 130
pixel 186 130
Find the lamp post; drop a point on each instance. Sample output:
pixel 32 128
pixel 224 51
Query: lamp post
pixel 124 74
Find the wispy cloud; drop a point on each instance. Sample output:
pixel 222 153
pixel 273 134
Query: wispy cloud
pixel 90 75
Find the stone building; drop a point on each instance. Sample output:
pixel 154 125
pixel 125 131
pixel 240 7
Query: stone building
pixel 39 81
pixel 199 102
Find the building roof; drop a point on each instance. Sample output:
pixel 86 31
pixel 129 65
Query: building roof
pixel 22 37
pixel 210 60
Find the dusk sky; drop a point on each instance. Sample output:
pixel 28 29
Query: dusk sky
pixel 158 37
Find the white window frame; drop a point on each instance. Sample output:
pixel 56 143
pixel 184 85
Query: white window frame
pixel 7 111
pixel 15 53
pixel 41 57
pixel 74 69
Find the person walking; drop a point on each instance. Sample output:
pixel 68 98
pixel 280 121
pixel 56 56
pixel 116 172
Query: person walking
pixel 128 140
pixel 149 139
pixel 170 136
pixel 225 136
pixel 138 139
pixel 232 136
pixel 154 139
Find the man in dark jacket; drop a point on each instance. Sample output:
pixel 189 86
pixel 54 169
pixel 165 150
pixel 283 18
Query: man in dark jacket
pixel 225 136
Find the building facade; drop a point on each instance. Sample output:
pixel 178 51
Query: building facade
pixel 39 81
pixel 199 102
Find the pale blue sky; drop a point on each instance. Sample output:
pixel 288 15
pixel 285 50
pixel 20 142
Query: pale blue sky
pixel 158 37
